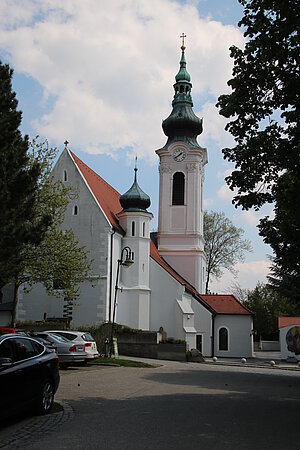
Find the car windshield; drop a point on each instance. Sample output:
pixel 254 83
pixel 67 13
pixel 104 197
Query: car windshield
pixel 87 337
pixel 58 338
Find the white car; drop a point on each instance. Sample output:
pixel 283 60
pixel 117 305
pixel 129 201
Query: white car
pixel 80 337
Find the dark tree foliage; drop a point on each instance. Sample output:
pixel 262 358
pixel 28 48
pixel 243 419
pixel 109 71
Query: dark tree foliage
pixel 283 234
pixel 264 108
pixel 267 305
pixel 18 185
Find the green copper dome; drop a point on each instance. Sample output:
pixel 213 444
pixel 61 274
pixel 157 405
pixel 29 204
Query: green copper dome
pixel 183 74
pixel 182 124
pixel 135 199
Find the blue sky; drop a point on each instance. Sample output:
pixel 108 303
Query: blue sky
pixel 100 74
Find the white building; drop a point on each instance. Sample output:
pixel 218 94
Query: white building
pixel 163 287
pixel 289 336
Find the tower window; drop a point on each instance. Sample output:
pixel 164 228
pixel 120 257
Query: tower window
pixel 144 229
pixel 223 339
pixel 178 189
pixel 65 175
pixel 133 228
pixel 75 210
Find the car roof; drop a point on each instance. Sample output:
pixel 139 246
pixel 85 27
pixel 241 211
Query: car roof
pixel 14 336
pixel 67 331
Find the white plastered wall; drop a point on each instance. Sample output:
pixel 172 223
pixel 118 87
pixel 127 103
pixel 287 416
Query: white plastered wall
pixel 93 230
pixel 240 335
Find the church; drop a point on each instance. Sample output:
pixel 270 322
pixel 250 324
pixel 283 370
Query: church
pixel 148 280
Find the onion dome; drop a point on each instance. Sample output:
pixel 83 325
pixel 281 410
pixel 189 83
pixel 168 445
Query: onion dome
pixel 182 124
pixel 135 199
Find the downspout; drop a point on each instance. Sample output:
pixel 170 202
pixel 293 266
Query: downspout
pixel 111 270
pixel 213 335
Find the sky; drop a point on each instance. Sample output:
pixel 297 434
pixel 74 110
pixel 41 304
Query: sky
pixel 100 75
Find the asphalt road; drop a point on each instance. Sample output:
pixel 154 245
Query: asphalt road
pixel 174 406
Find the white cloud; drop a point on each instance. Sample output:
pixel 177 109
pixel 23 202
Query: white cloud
pixel 208 202
pixel 109 66
pixel 250 217
pixel 249 274
pixel 225 194
pixel 214 126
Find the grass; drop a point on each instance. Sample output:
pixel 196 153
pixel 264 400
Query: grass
pixel 119 362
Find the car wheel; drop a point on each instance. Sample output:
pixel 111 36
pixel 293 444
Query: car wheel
pixel 46 399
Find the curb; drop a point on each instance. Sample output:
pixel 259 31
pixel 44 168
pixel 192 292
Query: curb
pixel 266 365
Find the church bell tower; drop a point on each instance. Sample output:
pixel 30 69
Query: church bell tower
pixel 181 178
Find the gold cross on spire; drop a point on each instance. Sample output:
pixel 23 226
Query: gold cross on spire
pixel 182 37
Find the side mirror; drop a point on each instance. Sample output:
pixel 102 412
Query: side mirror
pixel 5 362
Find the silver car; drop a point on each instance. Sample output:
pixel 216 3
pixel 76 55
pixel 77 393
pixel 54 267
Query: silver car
pixel 68 352
pixel 80 337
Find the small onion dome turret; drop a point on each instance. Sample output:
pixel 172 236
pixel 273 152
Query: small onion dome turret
pixel 135 199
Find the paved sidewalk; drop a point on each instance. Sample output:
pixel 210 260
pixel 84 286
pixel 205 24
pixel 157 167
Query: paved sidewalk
pixel 259 360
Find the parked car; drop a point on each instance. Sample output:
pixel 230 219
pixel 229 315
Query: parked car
pixel 7 330
pixel 42 340
pixel 29 375
pixel 82 337
pixel 68 352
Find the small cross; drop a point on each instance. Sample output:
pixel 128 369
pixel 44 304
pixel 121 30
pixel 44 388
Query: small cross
pixel 66 143
pixel 182 37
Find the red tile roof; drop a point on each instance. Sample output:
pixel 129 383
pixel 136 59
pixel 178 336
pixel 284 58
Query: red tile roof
pixel 106 195
pixel 225 304
pixel 288 321
pixel 109 200
pixel 219 304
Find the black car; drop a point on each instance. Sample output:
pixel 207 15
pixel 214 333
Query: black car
pixel 29 375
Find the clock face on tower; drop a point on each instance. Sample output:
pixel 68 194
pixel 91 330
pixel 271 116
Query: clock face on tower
pixel 179 154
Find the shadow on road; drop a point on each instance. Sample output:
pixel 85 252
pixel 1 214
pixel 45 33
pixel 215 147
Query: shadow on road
pixel 181 421
pixel 264 384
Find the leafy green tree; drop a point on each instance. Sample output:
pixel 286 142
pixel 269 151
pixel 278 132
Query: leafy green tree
pixel 267 305
pixel 19 225
pixel 224 245
pixel 58 261
pixel 283 234
pixel 263 109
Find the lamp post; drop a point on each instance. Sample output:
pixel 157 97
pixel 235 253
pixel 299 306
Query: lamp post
pixel 126 261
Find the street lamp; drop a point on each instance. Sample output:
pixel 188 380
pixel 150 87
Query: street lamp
pixel 126 260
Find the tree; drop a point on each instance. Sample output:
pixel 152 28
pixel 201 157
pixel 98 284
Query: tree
pixel 224 245
pixel 19 225
pixel 267 305
pixel 283 234
pixel 57 261
pixel 240 293
pixel 265 122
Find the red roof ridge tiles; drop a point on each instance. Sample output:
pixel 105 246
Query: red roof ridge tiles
pixel 225 304
pixel 288 321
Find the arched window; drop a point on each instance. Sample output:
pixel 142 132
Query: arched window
pixel 223 339
pixel 178 189
pixel 133 228
pixel 65 176
pixel 75 210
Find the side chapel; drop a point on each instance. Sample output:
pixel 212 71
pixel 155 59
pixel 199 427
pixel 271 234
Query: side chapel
pixel 164 286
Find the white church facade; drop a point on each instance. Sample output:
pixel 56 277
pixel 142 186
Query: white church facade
pixel 164 285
